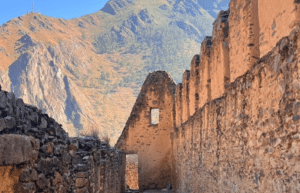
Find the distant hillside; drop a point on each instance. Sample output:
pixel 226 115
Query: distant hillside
pixel 86 72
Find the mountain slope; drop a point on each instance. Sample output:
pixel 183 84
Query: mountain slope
pixel 86 72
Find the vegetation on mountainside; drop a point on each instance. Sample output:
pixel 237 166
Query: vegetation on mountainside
pixel 89 70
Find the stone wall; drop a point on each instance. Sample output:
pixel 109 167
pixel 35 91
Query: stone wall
pixel 243 36
pixel 276 21
pixel 185 95
pixel 204 83
pixel 255 26
pixel 240 37
pixel 36 155
pixel 193 85
pixel 229 110
pixel 248 139
pixel 219 68
pixel 178 105
pixel 151 142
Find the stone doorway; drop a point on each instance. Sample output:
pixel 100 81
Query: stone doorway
pixel 132 173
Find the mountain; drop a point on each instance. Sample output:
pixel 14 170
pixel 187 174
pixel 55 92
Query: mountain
pixel 86 72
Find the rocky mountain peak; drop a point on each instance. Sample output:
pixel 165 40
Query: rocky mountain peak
pixel 87 72
pixel 114 6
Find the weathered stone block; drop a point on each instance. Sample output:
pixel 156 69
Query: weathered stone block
pixel 35 155
pixel 48 148
pixel 33 117
pixel 48 165
pixel 15 149
pixel 33 175
pixel 42 181
pixel 58 179
pixel 20 108
pixel 81 182
pixel 25 176
pixel 83 190
pixel 28 188
pixel 11 102
pixel 35 143
pixel 82 175
pixel 81 168
pixel 10 122
pixel 2 124
pixel 74 145
pixel 43 124
pixel 66 158
pixel 3 100
pixel 58 150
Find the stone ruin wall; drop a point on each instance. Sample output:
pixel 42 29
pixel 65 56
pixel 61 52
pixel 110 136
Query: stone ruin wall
pixel 236 110
pixel 151 142
pixel 255 26
pixel 203 120
pixel 248 31
pixel 247 140
pixel 36 155
pixel 276 20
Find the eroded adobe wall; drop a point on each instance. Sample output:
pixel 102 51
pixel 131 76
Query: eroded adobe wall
pixel 247 140
pixel 36 155
pixel 243 36
pixel 204 83
pixel 151 142
pixel 276 20
pixel 185 95
pixel 194 85
pixel 255 26
pixel 219 66
pixel 178 105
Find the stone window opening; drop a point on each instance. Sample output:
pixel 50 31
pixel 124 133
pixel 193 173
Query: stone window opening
pixel 154 117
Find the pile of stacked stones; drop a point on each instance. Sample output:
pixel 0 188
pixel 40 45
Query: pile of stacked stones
pixel 37 155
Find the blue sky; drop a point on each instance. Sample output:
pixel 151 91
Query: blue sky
pixel 55 8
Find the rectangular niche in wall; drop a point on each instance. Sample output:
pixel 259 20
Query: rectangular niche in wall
pixel 154 116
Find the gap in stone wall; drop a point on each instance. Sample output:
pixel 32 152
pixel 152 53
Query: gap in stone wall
pixel 132 174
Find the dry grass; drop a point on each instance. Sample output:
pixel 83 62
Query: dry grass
pixel 93 132
pixel 106 139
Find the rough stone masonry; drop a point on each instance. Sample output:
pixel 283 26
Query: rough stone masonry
pixel 232 125
pixel 233 121
pixel 36 155
pixel 248 139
